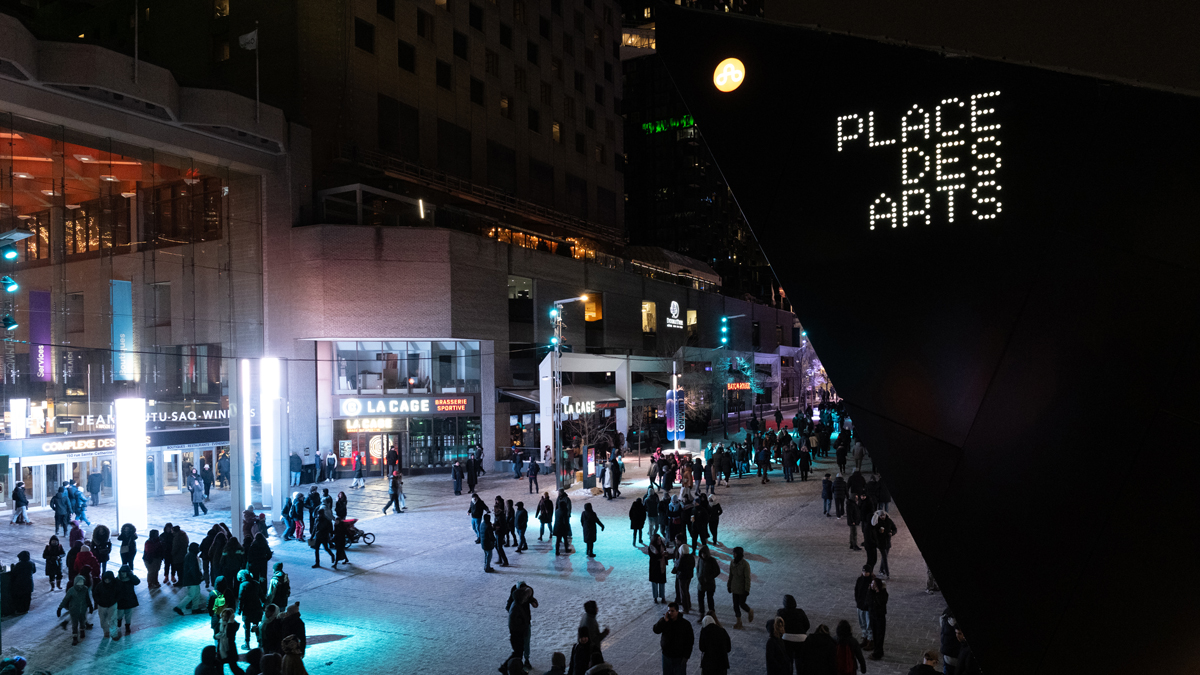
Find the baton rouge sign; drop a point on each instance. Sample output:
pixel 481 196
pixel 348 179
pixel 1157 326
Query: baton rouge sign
pixel 943 154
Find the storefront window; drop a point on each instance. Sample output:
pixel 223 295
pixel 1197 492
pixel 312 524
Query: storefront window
pixel 370 368
pixel 345 365
pixel 419 367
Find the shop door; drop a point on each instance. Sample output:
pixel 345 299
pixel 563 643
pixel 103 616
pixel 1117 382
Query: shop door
pixel 171 472
pixel 53 476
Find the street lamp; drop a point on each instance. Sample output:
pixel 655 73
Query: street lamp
pixel 725 345
pixel 556 311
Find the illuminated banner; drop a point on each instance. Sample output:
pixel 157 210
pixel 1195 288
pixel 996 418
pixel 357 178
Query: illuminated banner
pixel 41 363
pixel 738 386
pixel 676 410
pixel 123 358
pixel 407 405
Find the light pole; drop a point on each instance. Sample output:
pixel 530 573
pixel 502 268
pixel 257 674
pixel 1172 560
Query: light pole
pixel 556 369
pixel 725 346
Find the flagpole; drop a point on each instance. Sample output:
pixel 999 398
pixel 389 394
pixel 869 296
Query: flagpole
pixel 257 49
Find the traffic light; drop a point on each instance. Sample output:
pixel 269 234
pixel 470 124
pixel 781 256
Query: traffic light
pixel 553 312
pixel 554 341
pixel 724 330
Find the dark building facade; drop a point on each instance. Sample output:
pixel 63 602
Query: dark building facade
pixel 1019 311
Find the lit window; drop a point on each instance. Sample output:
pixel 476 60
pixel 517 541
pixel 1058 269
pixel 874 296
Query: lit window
pixel 691 317
pixel 592 309
pixel 649 318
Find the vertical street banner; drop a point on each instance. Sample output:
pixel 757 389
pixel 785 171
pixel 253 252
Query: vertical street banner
pixel 41 362
pixel 680 415
pixel 121 294
pixel 670 414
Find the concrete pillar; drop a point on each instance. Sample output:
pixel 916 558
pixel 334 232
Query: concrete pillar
pixel 624 382
pixel 239 410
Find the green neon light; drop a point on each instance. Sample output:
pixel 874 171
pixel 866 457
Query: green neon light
pixel 668 124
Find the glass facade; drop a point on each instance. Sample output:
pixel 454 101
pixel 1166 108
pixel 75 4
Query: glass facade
pixel 424 443
pixel 406 366
pixel 142 277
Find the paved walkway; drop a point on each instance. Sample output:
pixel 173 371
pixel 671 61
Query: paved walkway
pixel 418 601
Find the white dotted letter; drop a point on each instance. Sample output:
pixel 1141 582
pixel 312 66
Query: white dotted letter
pixel 906 212
pixel 920 123
pixel 842 135
pixel 905 179
pixel 876 214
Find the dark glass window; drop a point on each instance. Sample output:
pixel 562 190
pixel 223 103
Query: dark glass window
pixel 531 52
pixel 364 36
pixel 475 17
pixel 386 9
pixel 506 35
pixel 406 56
pixel 476 91
pixel 460 45
pixel 445 75
pixel 535 120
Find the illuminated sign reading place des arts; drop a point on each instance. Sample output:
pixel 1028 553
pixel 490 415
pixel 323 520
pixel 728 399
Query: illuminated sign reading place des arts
pixel 947 158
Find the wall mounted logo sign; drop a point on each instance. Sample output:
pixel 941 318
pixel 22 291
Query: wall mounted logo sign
pixel 944 153
pixel 674 321
pixel 729 75
pixel 353 407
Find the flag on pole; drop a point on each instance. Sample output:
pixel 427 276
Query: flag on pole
pixel 249 41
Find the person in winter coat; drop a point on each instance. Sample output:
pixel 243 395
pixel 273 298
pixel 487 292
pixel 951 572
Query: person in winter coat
pixel 827 495
pixel 248 518
pixel 126 597
pixel 707 571
pixel 293 656
pixel 487 539
pixel 637 520
pixel 950 646
pixel 105 596
pixel 562 525
pixel 62 511
pixel 258 556
pixel 685 568
pixel 226 637
pixel 395 493
pixel 581 653
pixel 196 487
pixel 676 641
pixel 848 654
pixel 78 602
pixel 21 507
pixel 588 520
pixel 520 616
pixel 779 659
pixel 795 627
pixel 279 589
pixel 884 528
pixel 853 518
pixel 534 470
pixel 179 549
pixel 271 630
pixel 152 556
pixel 714 518
pixel 839 495
pixel 205 555
pixel 650 504
pixel 249 606
pixel 233 559
pixel 858 452
pixel 166 541
pixel 101 546
pixel 86 558
pixel 595 635
pixel 298 506
pixel 323 536
pixel 293 626
pixel 457 474
pixel 128 546
pixel 53 556
pixel 820 652
pixel 340 506
pixel 738 586
pixel 472 474
pixel 927 666
pixel 714 646
pixel 341 534
pixel 77 534
pixel 545 515
pixel 857 484
pixel 477 508
pixel 700 519
pixel 885 497
pixel 877 599
pixel 862 601
pixel 520 524
pixel 22 582
pixel 657 550
pixel 190 578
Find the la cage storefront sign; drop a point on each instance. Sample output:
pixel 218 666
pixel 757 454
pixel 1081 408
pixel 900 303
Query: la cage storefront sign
pixel 408 405
pixel 585 407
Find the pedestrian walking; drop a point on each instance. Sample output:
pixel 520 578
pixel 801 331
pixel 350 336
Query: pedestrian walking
pixel 487 538
pixel 279 589
pixel 714 518
pixel 884 529
pixel 852 519
pixel 477 508
pixel 562 524
pixel 395 493
pixel 520 607
pixel 676 641
pixel 520 525
pixel 52 555
pixel 298 505
pixel 126 599
pixel 341 533
pixel 858 452
pixel 839 495
pixel 101 545
pixel 581 653
pixel 196 487
pixel 848 655
pixel 827 494
pixel 545 515
pixel 595 635
pixel 295 466
pixel 62 510
pixel 877 598
pixel 78 603
pixel 534 470
pixel 707 571
pixel 21 582
pixel 714 646
pixel 862 601
pixel 250 606
pixel 657 550
pixel 322 536
pixel 21 507
pixel 795 629
pixel 190 578
pixel 637 520
pixel 472 473
pixel 685 567
pixel 738 586
pixel 457 474
pixel 206 476
pixel 104 595
pixel 588 520
pixel 360 465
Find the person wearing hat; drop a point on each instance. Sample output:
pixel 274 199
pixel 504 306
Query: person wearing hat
pixel 20 506
pixel 22 582
pixel 581 653
pixel 519 606
pixel 714 646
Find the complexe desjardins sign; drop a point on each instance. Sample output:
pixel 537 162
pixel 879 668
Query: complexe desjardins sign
pixel 941 150
pixel 414 405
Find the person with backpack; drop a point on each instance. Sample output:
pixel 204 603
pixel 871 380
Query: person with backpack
pixel 279 589
pixel 848 657
pixel 190 578
pixel 534 470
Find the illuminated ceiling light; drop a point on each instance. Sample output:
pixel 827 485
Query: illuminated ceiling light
pixel 110 179
pixel 9 285
pixel 8 251
pixel 9 322
pixel 729 75
pixel 23 216
pixel 85 158
pixel 51 193
pixel 128 195
pixel 22 174
pixel 421 206
pixel 72 206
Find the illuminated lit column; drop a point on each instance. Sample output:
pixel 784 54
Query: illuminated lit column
pixel 271 434
pixel 624 382
pixel 239 442
pixel 130 475
pixel 18 411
